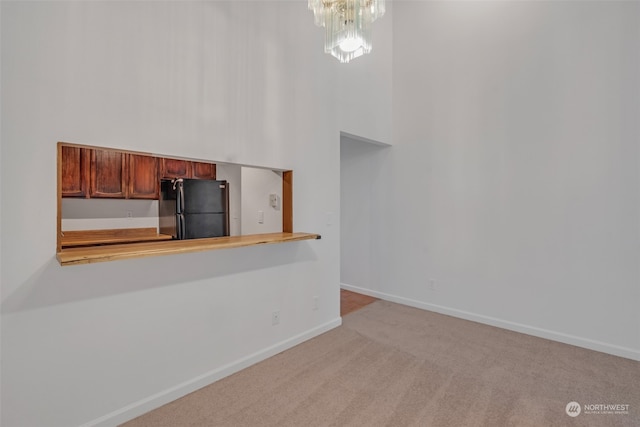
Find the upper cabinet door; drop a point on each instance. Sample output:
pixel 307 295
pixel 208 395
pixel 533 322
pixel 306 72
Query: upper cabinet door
pixel 204 170
pixel 108 174
pixel 173 168
pixel 75 171
pixel 143 177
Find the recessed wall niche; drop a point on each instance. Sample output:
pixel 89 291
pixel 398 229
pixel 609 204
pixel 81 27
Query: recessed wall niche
pixel 108 198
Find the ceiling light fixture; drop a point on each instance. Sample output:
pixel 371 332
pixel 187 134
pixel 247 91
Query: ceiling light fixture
pixel 347 25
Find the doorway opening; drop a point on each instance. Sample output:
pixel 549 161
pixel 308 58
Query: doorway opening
pixel 362 177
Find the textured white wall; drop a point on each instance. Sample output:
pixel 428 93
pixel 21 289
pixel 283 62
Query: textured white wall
pixel 222 81
pixel 513 181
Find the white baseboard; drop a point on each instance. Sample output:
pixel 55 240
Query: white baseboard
pixel 155 401
pixel 615 350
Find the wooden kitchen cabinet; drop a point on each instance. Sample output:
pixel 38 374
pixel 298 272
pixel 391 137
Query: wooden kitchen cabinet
pixel 108 172
pixel 174 168
pixel 75 171
pixel 103 173
pixel 143 177
pixel 202 170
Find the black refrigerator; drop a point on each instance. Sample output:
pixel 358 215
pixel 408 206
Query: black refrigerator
pixel 194 208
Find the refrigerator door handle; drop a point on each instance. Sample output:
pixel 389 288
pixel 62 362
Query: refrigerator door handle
pixel 179 196
pixel 180 229
pixel 226 210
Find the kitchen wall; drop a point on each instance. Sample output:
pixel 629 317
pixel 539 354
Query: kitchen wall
pixel 511 195
pixel 257 186
pixel 98 214
pixel 238 82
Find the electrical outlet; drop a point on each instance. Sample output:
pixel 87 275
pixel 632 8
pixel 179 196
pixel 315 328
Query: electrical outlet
pixel 432 284
pixel 275 318
pixel 315 303
pixel 329 217
pixel 129 214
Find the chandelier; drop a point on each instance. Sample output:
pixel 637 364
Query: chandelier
pixel 347 25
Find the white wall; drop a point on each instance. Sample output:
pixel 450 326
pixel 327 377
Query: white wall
pixel 98 214
pixel 257 186
pixel 513 182
pixel 371 75
pixel 222 81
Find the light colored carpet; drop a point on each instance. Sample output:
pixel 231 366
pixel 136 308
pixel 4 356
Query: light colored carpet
pixel 392 365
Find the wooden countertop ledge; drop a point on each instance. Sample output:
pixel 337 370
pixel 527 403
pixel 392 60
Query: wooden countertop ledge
pixel 91 254
pixel 70 239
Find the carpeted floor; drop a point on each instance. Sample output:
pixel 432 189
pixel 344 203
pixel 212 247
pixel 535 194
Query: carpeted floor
pixel 392 365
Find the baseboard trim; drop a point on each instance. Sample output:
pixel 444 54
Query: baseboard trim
pixel 155 401
pixel 603 347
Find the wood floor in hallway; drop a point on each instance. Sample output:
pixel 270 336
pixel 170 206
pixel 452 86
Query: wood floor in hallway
pixel 352 301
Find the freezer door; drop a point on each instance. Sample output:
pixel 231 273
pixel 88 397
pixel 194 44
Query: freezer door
pixel 204 196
